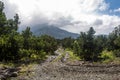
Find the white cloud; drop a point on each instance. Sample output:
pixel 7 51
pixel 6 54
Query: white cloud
pixel 27 8
pixel 103 24
pixel 10 9
pixel 71 15
pixel 108 24
pixel 117 10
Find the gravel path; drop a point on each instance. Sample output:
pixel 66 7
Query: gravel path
pixel 72 71
pixel 55 71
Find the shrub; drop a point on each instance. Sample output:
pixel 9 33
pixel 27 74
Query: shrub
pixel 117 53
pixel 107 56
pixel 32 54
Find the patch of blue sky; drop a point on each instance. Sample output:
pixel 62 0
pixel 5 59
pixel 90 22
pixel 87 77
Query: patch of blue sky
pixel 113 5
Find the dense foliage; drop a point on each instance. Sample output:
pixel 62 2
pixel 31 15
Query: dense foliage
pixel 90 46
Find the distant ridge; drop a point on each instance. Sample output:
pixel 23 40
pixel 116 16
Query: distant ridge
pixel 52 31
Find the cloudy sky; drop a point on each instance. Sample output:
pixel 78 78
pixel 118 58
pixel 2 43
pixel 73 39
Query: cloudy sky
pixel 71 15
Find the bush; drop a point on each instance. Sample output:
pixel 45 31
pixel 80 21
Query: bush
pixel 32 54
pixel 9 48
pixel 117 53
pixel 107 56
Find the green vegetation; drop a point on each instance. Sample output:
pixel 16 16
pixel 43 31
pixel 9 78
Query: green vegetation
pixel 90 47
pixel 107 56
pixel 72 56
pixel 16 46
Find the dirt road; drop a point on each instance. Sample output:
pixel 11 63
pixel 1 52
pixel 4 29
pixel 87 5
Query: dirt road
pixel 77 70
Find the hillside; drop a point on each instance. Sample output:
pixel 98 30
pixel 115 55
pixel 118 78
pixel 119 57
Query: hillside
pixel 52 31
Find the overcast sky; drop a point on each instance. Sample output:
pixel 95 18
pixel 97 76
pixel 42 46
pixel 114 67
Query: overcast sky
pixel 70 15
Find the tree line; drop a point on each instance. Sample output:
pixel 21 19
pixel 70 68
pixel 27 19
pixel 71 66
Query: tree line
pixel 89 47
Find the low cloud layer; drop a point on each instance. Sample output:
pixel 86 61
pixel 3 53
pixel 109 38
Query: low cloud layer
pixel 71 15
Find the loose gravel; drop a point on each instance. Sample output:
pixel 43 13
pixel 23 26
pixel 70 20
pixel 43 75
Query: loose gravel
pixel 62 71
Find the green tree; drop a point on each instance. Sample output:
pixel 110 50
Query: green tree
pixel 76 48
pixel 13 47
pixel 87 45
pixel 9 47
pixel 1 6
pixel 3 19
pixel 16 21
pixel 27 34
pixel 113 39
pixel 101 43
pixel 8 37
pixel 48 44
pixel 6 26
pixel 67 42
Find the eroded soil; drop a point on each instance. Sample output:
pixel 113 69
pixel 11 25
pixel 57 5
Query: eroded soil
pixel 76 70
pixel 62 71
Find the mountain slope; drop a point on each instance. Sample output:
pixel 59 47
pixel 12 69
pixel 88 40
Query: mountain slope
pixel 53 31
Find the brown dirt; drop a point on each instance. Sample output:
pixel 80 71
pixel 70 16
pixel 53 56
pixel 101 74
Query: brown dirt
pixel 63 71
pixel 77 70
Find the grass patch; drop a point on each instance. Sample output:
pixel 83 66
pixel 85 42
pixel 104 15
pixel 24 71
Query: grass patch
pixel 59 57
pixel 107 56
pixel 7 64
pixel 25 69
pixel 72 56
